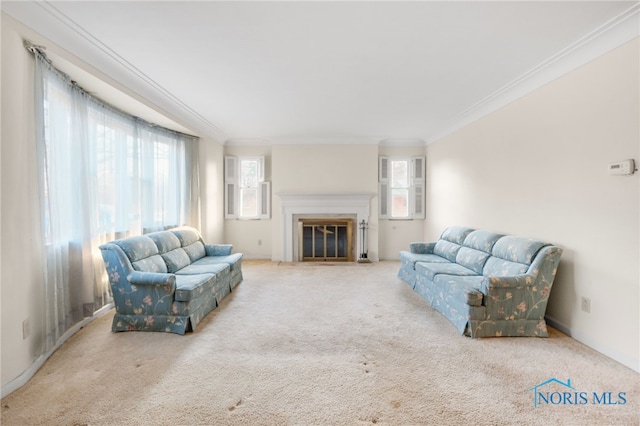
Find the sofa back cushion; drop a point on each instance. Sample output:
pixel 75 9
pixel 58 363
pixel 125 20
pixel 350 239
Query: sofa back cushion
pixel 153 263
pixel 517 249
pixel 446 249
pixel 186 235
pixel 497 267
pixel 195 251
pixel 472 259
pixel 137 248
pixel 191 242
pixel 482 240
pixel 165 241
pixel 456 234
pixel 176 259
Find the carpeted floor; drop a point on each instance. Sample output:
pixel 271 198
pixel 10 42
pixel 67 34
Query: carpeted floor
pixel 322 344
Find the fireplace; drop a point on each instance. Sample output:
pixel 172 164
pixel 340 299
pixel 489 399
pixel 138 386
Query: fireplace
pixel 326 239
pixel 323 207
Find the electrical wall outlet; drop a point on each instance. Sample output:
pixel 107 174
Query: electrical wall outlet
pixel 26 329
pixel 586 304
pixel 259 242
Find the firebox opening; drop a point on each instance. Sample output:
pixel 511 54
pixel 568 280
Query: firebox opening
pixel 326 239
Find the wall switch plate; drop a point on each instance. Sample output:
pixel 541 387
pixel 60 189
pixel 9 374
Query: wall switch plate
pixel 586 304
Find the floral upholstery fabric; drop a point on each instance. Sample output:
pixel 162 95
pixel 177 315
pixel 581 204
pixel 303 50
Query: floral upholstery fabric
pixel 195 251
pixel 431 270
pixel 165 241
pixel 446 249
pixel 153 263
pixel 137 248
pixel 472 259
pixel 496 267
pixel 467 288
pixel 218 250
pixel 421 248
pixel 495 286
pixel 154 290
pixel 482 240
pixel 515 249
pixel 190 287
pixel 176 259
pixel 456 234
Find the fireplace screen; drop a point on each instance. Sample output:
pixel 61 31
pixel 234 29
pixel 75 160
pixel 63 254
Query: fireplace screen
pixel 326 240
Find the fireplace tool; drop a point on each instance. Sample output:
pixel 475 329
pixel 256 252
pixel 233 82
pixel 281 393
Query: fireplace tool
pixel 364 257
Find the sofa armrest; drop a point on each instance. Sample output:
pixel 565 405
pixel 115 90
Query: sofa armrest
pixel 421 248
pixel 514 281
pixel 218 249
pixel 152 279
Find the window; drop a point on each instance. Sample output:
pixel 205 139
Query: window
pixel 401 187
pixel 246 195
pixel 102 174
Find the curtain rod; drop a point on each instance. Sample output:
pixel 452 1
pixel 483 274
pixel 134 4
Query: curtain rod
pixel 37 49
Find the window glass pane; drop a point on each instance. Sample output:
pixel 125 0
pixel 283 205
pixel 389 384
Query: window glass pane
pixel 399 203
pixel 400 173
pixel 248 202
pixel 249 173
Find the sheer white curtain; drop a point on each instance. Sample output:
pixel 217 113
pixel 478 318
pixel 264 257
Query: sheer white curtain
pixel 103 175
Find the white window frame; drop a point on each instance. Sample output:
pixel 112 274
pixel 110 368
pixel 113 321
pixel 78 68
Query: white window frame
pixel 232 189
pixel 416 187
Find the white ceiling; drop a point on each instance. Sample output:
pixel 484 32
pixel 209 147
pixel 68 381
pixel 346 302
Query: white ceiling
pixel 359 72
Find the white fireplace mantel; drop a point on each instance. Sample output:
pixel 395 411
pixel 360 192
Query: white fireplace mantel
pixel 320 204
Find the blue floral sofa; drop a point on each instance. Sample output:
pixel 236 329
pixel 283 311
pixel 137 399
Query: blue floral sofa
pixel 486 284
pixel 168 280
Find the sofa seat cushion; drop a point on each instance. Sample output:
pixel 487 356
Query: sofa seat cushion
pixel 410 259
pixel 196 268
pixel 189 287
pixel 233 260
pixel 466 288
pixel 430 270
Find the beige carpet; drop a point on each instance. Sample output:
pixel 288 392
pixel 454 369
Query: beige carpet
pixel 330 344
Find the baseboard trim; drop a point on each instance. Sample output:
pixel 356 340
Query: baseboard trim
pixel 633 364
pixel 26 375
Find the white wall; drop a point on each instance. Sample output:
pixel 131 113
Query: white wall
pixel 538 168
pixel 323 169
pixel 21 295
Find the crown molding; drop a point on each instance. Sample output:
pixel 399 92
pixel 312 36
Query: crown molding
pixel 337 140
pixel 247 142
pixel 394 142
pixel 79 42
pixel 402 142
pixel 612 34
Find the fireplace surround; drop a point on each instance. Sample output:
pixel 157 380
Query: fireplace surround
pixel 338 206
